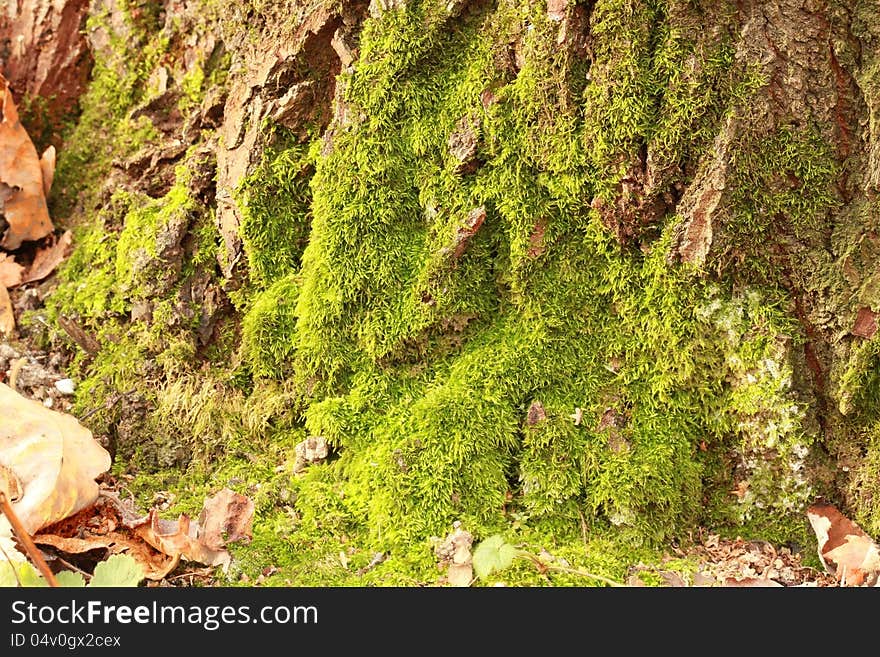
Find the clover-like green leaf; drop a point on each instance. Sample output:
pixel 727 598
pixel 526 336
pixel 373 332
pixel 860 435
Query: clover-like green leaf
pixel 14 572
pixel 68 578
pixel 493 554
pixel 118 570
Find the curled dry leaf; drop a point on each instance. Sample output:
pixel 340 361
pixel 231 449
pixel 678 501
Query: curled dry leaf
pixel 180 538
pixel 7 315
pixel 107 526
pixel 22 195
pixel 10 271
pixel 226 517
pixel 846 551
pixel 48 258
pixel 55 459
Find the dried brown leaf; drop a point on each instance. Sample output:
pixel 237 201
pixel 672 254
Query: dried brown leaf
pixel 156 564
pixel 847 552
pixel 226 517
pixel 55 458
pixel 21 179
pixel 48 258
pixel 10 271
pixel 180 539
pixel 73 544
pixel 7 316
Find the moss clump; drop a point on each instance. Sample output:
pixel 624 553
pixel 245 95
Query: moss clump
pixel 471 339
pixel 267 326
pixel 275 202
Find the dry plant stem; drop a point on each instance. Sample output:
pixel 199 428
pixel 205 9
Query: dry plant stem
pixel 26 541
pixel 73 567
pixel 574 571
pixel 9 560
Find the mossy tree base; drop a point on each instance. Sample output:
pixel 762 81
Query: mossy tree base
pixel 579 273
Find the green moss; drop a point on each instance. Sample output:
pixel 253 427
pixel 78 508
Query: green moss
pixel 104 130
pixel 275 205
pixel 424 345
pixel 782 187
pixel 267 328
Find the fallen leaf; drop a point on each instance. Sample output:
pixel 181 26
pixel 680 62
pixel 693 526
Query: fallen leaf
pixel 48 258
pixel 226 517
pixel 155 564
pixel 751 582
pixel 22 193
pixel 47 168
pixel 54 457
pixel 73 544
pixel 7 316
pixel 845 550
pixel 10 271
pixel 180 539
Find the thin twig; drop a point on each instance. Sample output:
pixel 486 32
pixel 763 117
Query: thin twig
pixel 107 406
pixel 9 561
pixel 25 539
pixel 584 573
pixel 88 576
pixel 544 567
pixel 583 528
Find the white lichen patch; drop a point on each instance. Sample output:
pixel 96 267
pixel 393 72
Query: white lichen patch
pixel 761 407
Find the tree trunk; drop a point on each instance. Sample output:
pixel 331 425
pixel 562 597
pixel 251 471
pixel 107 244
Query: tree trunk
pixel 563 266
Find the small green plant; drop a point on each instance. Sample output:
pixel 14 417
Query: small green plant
pixel 495 554
pixel 118 570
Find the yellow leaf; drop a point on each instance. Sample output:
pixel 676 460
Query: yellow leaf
pixel 54 457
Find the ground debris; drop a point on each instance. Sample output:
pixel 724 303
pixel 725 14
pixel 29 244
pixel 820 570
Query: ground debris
pixel 738 562
pixel 454 555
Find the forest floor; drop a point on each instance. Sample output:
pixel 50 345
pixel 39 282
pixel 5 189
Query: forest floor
pixel 46 377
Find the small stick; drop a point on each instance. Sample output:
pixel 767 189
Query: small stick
pixel 26 541
pixel 108 405
pixel 73 567
pixel 9 561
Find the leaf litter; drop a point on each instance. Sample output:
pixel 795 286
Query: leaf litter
pixel 50 465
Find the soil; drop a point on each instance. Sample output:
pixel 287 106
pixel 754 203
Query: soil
pixel 36 374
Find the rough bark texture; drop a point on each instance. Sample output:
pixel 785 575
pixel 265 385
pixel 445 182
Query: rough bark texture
pixel 606 265
pixel 43 51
